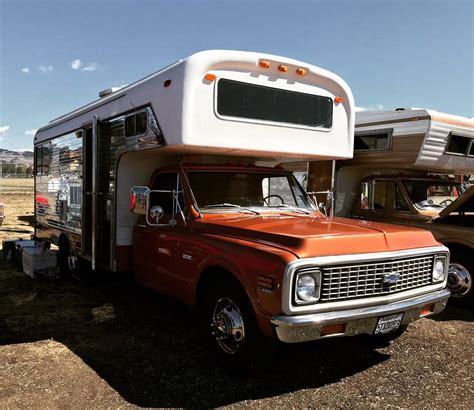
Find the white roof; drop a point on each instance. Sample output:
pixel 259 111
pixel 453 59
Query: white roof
pixel 186 112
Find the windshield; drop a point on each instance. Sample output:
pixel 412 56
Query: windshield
pixel 433 194
pixel 247 190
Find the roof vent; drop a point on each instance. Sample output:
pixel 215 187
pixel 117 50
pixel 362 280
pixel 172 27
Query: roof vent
pixel 108 91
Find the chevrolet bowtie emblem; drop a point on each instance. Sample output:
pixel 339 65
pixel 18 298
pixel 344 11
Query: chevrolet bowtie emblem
pixel 390 279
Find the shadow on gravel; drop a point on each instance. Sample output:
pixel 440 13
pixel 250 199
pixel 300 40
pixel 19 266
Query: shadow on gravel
pixel 454 311
pixel 148 349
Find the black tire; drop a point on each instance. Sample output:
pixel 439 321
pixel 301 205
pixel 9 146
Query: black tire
pixel 229 352
pixel 63 257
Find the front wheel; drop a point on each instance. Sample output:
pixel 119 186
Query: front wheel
pixel 230 327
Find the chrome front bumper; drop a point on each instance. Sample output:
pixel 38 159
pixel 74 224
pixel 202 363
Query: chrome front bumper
pixel 302 328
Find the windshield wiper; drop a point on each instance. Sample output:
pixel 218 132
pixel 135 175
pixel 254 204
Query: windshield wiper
pixel 293 208
pixel 227 205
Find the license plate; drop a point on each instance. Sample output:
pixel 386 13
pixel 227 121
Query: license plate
pixel 388 324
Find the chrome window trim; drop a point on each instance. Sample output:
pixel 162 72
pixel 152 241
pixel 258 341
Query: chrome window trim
pixel 292 267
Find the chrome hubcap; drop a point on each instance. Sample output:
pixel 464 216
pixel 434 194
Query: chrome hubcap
pixel 459 280
pixel 227 326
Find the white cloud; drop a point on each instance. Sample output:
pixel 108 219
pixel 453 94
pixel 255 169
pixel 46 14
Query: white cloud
pixel 4 131
pixel 30 133
pixel 376 107
pixel 90 67
pixel 25 70
pixel 76 64
pixel 45 69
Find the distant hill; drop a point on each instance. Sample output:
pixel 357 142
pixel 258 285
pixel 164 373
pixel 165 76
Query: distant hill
pixel 16 157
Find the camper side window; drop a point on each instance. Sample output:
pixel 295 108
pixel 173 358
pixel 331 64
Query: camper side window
pixel 387 196
pixel 43 158
pixel 136 124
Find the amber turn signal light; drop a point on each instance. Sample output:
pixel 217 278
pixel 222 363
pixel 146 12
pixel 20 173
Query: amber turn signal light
pixel 426 310
pixel 210 77
pixel 338 100
pixel 264 64
pixel 336 329
pixel 282 68
pixel 300 71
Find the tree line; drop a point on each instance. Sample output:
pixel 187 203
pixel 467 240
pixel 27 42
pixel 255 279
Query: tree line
pixel 17 170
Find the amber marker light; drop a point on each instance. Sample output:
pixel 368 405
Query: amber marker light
pixel 338 100
pixel 264 64
pixel 300 71
pixel 426 310
pixel 336 329
pixel 282 68
pixel 210 77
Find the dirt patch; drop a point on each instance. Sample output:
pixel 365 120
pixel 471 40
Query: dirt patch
pixel 17 195
pixel 110 343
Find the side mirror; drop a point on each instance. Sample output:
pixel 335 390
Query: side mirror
pixel 156 213
pixel 322 208
pixel 138 199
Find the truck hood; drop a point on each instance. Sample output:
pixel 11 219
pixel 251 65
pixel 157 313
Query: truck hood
pixel 310 236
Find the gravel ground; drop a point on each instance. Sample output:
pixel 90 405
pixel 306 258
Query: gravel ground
pixel 113 344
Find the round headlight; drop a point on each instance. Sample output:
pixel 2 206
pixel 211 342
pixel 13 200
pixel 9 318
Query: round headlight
pixel 438 270
pixel 306 287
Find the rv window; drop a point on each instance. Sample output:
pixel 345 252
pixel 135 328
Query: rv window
pixel 243 100
pixel 372 142
pixel 43 158
pixel 471 150
pixel 136 124
pixel 458 144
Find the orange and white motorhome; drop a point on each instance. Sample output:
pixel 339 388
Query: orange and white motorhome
pixel 179 178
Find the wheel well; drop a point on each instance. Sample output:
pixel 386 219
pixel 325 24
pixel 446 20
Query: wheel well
pixel 457 249
pixel 214 276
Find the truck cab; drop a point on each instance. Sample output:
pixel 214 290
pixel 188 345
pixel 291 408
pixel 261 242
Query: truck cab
pixel 248 247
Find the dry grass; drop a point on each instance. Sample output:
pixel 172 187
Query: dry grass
pixel 18 197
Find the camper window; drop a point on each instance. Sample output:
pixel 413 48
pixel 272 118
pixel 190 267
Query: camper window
pixel 43 158
pixel 243 100
pixel 458 145
pixel 379 141
pixel 136 124
pixel 471 149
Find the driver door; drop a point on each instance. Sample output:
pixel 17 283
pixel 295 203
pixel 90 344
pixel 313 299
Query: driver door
pixel 156 248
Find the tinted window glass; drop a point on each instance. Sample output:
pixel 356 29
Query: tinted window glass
pixel 136 124
pixel 458 144
pixel 388 196
pixel 166 182
pixel 237 99
pixel 371 142
pixel 141 120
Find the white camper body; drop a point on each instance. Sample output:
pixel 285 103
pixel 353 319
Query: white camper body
pixel 218 103
pixel 410 142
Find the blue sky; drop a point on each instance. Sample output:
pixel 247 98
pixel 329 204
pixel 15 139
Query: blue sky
pixel 416 53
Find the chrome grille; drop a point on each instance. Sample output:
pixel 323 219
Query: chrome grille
pixel 367 279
